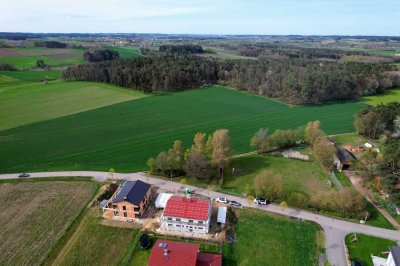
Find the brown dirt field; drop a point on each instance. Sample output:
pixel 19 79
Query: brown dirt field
pixel 34 217
pixel 9 52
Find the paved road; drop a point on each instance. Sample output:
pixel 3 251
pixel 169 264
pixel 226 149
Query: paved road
pixel 335 229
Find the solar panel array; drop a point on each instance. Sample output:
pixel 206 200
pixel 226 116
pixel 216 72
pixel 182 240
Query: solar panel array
pixel 187 208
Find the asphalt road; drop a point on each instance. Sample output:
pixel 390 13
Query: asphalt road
pixel 335 229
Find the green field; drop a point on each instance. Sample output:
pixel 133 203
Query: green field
pixel 128 52
pixel 10 78
pixel 33 102
pixel 366 246
pixel 35 216
pixel 125 135
pixel 96 244
pixel 27 57
pixel 264 239
pixel 392 95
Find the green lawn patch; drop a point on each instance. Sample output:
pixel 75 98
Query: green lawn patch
pixel 264 239
pixel 376 218
pixel 388 96
pixel 298 176
pixel 96 244
pixel 9 78
pixel 366 246
pixel 128 52
pixel 125 135
pixel 29 103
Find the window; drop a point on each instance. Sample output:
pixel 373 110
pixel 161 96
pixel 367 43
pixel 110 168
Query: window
pixel 124 208
pixel 191 226
pixel 178 225
pixel 169 219
pixel 178 220
pixel 201 228
pixel 169 225
pixel 190 221
pixel 125 214
pixel 200 222
pixel 136 209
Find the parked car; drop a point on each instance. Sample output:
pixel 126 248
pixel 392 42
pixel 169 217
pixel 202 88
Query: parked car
pixel 24 175
pixel 261 201
pixel 222 200
pixel 234 203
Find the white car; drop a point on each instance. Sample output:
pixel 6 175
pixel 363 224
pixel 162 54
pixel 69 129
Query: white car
pixel 222 200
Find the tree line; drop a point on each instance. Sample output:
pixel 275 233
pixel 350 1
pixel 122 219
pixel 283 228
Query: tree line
pixel 50 44
pixel 100 55
pixel 296 81
pixel 181 49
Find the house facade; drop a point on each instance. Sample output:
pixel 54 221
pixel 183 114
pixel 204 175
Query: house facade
pixel 130 200
pixel 187 214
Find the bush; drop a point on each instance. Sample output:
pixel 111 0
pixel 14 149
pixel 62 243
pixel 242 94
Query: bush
pixel 7 67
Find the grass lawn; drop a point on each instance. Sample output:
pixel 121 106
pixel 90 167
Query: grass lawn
pixel 125 135
pixel 392 95
pixel 376 218
pixel 367 246
pixel 95 244
pixel 128 52
pixel 35 215
pixel 264 239
pixel 298 176
pixel 33 102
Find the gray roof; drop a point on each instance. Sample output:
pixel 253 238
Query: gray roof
pixel 395 251
pixel 345 155
pixel 132 192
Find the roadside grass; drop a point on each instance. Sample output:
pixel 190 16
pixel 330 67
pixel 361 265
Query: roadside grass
pixel 127 52
pixel 265 239
pixel 367 246
pixel 33 102
pixel 125 135
pixel 95 244
pixel 141 257
pixel 36 215
pixel 376 218
pixel 392 95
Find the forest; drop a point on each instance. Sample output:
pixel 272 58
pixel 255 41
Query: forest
pixel 293 80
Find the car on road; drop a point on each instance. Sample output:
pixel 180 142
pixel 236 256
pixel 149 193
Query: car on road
pixel 24 175
pixel 234 203
pixel 261 201
pixel 222 200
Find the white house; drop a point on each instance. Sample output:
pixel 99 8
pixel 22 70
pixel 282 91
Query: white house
pixel 392 260
pixel 187 214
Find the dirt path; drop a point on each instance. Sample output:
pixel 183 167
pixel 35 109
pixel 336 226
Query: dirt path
pixel 356 180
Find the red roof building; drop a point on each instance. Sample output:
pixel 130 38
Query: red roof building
pixel 186 214
pixel 188 208
pixel 171 253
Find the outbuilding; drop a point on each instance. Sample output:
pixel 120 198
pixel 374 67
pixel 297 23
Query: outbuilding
pixel 162 200
pixel 221 218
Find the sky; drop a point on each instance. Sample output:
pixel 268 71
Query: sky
pixel 270 17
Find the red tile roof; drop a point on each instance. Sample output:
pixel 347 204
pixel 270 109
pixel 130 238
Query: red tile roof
pixel 188 208
pixel 179 254
pixel 208 259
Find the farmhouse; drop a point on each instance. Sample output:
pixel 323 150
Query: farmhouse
pixel 343 159
pixel 187 214
pixel 171 253
pixel 130 200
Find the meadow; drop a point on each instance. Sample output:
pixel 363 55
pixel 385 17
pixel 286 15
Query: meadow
pixel 365 246
pixel 33 102
pixel 35 215
pixel 95 244
pixel 11 78
pixel 125 135
pixel 265 239
pixel 126 52
pixel 388 96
